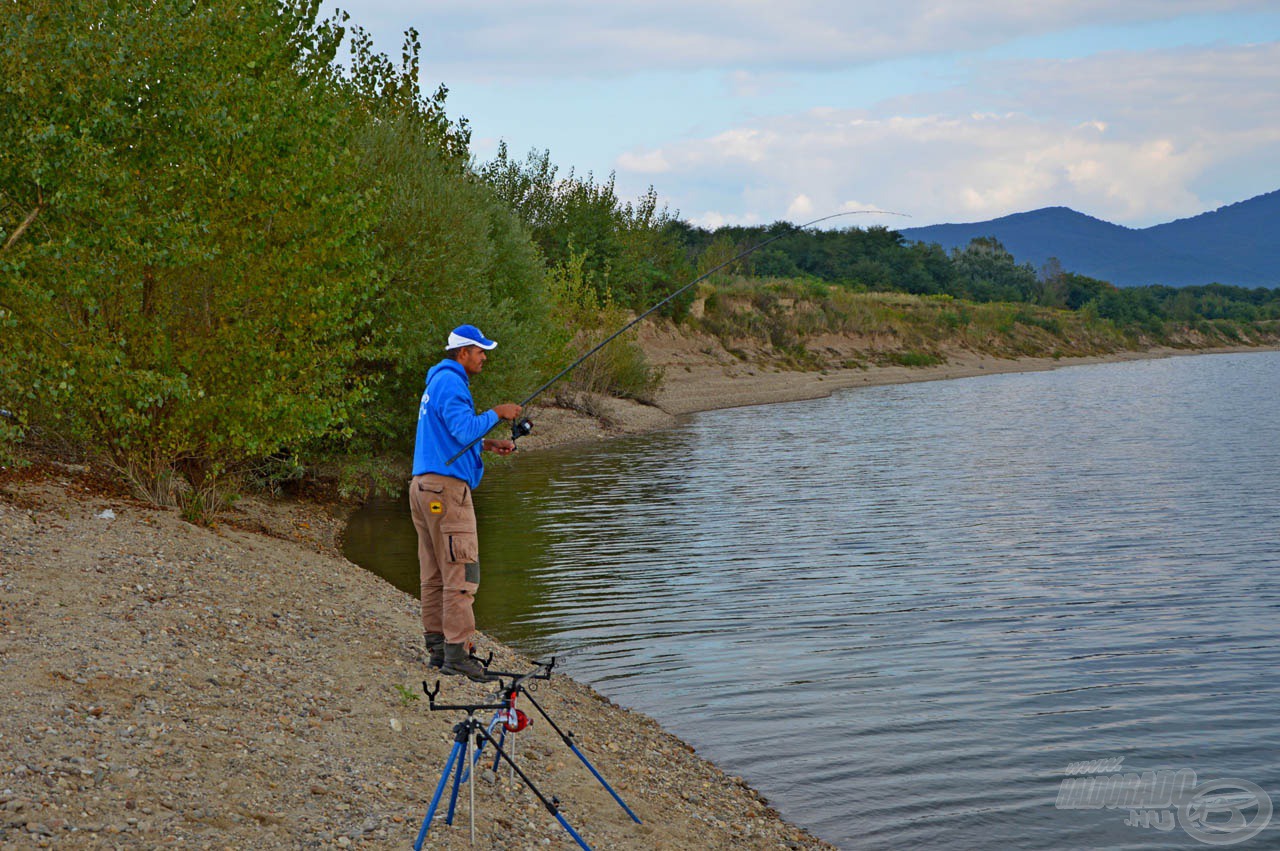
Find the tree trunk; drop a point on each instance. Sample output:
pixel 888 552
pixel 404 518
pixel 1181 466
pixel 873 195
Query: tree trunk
pixel 26 223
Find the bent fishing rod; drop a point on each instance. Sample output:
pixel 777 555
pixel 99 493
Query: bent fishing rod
pixel 523 426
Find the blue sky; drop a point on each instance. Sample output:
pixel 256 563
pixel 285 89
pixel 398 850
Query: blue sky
pixel 948 110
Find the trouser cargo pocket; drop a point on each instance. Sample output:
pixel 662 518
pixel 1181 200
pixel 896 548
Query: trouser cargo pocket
pixel 461 542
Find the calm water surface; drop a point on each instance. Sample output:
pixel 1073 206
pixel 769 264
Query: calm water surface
pixel 901 612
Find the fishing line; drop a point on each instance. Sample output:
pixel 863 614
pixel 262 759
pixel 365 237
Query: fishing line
pixel 523 426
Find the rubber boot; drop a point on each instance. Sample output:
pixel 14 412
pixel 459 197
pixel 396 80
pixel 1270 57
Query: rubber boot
pixel 458 662
pixel 435 649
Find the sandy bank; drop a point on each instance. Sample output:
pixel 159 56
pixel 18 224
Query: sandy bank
pixel 701 375
pixel 167 685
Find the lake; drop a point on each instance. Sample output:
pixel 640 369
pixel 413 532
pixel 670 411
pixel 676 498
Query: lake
pixel 906 613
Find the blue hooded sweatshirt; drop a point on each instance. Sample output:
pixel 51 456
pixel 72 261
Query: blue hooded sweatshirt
pixel 447 421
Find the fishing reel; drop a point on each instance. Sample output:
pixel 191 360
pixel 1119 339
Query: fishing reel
pixel 520 428
pixel 513 720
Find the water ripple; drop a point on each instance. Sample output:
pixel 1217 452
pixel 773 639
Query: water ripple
pixel 902 611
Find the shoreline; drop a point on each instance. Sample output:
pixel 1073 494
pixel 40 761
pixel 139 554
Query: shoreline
pixel 245 686
pixel 701 376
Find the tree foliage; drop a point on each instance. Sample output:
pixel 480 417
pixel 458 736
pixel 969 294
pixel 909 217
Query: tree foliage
pixel 176 220
pixel 986 271
pixel 626 250
pixel 449 249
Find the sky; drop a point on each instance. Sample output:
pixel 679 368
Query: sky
pixel 750 112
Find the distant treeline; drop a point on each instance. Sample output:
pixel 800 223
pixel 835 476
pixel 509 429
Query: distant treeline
pixel 878 259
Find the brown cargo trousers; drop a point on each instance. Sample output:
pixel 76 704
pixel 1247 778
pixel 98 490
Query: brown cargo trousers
pixel 448 554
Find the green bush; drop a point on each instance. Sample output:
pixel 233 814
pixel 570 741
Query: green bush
pixel 914 358
pixel 184 269
pixel 450 253
pixel 587 319
pixel 629 251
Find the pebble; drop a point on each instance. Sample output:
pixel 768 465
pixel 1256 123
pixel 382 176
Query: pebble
pixel 226 689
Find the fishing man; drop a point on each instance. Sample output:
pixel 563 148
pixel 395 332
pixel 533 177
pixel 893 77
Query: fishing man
pixel 440 498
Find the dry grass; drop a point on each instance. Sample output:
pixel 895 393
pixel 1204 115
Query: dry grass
pixel 814 326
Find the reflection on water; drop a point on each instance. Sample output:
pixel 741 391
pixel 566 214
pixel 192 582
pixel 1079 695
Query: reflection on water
pixel 901 612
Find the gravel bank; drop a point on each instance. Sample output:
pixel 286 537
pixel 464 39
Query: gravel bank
pixel 700 374
pixel 237 687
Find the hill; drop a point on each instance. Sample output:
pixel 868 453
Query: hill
pixel 1237 244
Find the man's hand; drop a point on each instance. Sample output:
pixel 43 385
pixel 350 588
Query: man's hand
pixel 500 447
pixel 507 410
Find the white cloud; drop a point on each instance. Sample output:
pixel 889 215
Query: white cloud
pixel 968 168
pixel 650 162
pixel 1213 84
pixel 745 84
pixel 587 38
pixel 712 219
pixel 801 208
pixel 1119 136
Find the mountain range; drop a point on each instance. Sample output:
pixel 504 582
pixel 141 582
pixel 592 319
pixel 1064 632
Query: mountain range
pixel 1237 244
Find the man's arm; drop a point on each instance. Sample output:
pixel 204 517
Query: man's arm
pixel 460 418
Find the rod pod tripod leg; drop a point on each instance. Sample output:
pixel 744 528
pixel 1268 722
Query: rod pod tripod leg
pixel 459 745
pixel 475 754
pixel 567 738
pixel 457 772
pixel 466 738
pixel 465 773
pixel 552 805
pixel 471 783
pixel 502 740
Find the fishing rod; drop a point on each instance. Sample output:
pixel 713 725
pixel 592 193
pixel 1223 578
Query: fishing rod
pixel 524 426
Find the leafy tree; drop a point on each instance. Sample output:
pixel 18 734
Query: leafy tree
pixel 769 263
pixel 1079 290
pixel 184 276
pixel 627 251
pixel 386 92
pixel 986 271
pixel 451 252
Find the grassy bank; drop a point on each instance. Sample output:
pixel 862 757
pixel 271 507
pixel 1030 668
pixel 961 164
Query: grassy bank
pixel 810 325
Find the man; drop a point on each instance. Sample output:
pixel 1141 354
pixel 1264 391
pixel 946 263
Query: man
pixel 440 498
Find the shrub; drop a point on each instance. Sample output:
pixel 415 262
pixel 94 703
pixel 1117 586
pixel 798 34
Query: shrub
pixel 914 358
pixel 620 368
pixel 184 271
